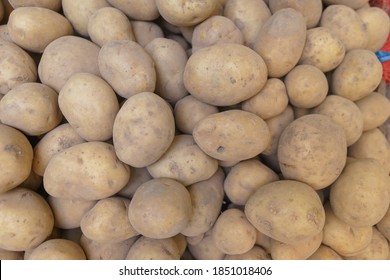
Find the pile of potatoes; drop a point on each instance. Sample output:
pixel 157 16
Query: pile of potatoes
pixel 214 129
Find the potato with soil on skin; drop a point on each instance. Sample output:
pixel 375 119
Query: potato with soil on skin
pixel 284 30
pixel 312 149
pixel 245 178
pixel 256 253
pixel 89 171
pixel 137 10
pixel 127 67
pixel 184 162
pixel 144 128
pixel 375 109
pixel 206 249
pixel 138 177
pixel 287 211
pixel 160 208
pixel 54 5
pixel 17 67
pixel 145 31
pixel 345 113
pixel 57 249
pixel 33 28
pixel 32 108
pixel 220 135
pixel 16 158
pixel 90 106
pixel 354 4
pixel 146 248
pixel 362 185
pixel 169 61
pixel 325 253
pixel 26 220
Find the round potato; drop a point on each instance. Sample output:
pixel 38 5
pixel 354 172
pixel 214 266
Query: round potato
pixel 57 249
pixel 153 249
pixel 256 253
pixel 160 208
pixel 224 74
pixel 144 129
pixel 26 220
pixel 287 211
pixel 219 135
pixel 54 5
pixel 354 4
pixel 146 31
pixel 325 253
pixel 137 10
pixel 138 177
pixel 88 171
pixel 375 109
pixel 313 150
pixel 206 249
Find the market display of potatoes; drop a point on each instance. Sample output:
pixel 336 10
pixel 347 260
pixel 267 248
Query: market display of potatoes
pixel 194 130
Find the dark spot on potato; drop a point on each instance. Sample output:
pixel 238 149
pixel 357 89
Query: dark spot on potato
pixel 80 160
pixel 220 149
pixel 232 80
pixel 15 149
pixel 110 183
pixel 267 225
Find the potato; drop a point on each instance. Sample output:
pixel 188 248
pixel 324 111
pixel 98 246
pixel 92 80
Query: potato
pixel 109 24
pixel 153 249
pixel 189 110
pixel 345 239
pixel 11 255
pixel 138 177
pixel 137 10
pixel 54 5
pixel 145 31
pixel 185 12
pixel 256 253
pixel 325 253
pixel 220 135
pixel 206 249
pixel 287 211
pixel 194 240
pixel 57 249
pixel 89 171
pixel 17 67
pixel 384 225
pixel 345 113
pixel 160 208
pixel 210 76
pixel 269 102
pixel 107 221
pixel 93 112
pixel 215 30
pixel 206 200
pixel 169 61
pixel 179 39
pixel 249 16
pixel 32 108
pixel 245 178
pixel 16 158
pixel 346 24
pixel 184 161
pixel 285 29
pixel 181 243
pixel 56 140
pixel 357 76
pixel 26 220
pixel 311 10
pixel 4 34
pixel 313 150
pixel 362 185
pixel 66 56
pixel 33 28
pixel 306 86
pixel 375 109
pixel 264 241
pixel 127 67
pixel 354 4
pixel 69 212
pixel 323 49
pixel 144 129
pixel 79 12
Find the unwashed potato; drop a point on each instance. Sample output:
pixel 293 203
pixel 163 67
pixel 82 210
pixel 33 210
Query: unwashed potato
pixel 26 220
pixel 137 10
pixel 384 225
pixel 137 178
pixel 256 253
pixel 89 171
pixel 17 67
pixel 206 249
pixel 11 255
pixel 375 109
pixel 284 30
pixel 287 211
pixel 153 249
pixel 354 4
pixel 54 5
pixel 57 249
pixel 32 108
pixel 146 31
pixel 325 253
pixel 16 158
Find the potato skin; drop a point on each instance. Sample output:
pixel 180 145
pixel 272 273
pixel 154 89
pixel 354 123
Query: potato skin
pixel 153 249
pixel 57 249
pixel 375 110
pixel 146 31
pixel 354 4
pixel 256 253
pixel 325 253
pixel 137 10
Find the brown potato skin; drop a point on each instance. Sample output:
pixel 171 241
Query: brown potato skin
pixel 146 31
pixel 146 248
pixel 325 253
pixel 375 110
pixel 54 5
pixel 57 249
pixel 137 10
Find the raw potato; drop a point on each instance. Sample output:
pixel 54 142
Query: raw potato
pixel 312 149
pixel 220 135
pixel 224 74
pixel 256 253
pixel 269 102
pixel 284 30
pixel 33 28
pixel 138 177
pixel 66 56
pixel 375 109
pixel 90 106
pixel 11 255
pixel 358 75
pixel 109 24
pixel 287 211
pixel 325 253
pixel 136 9
pixel 368 181
pixel 160 208
pixel 26 220
pixel 144 129
pixel 145 31
pixel 127 67
pixel 354 4
pixel 4 34
pixel 206 249
pixel 264 241
pixel 54 5
pixel 384 225
pixel 16 158
pixel 153 249
pixel 89 171
pixel 32 108
pixel 17 67
pixel 107 221
pixel 57 249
